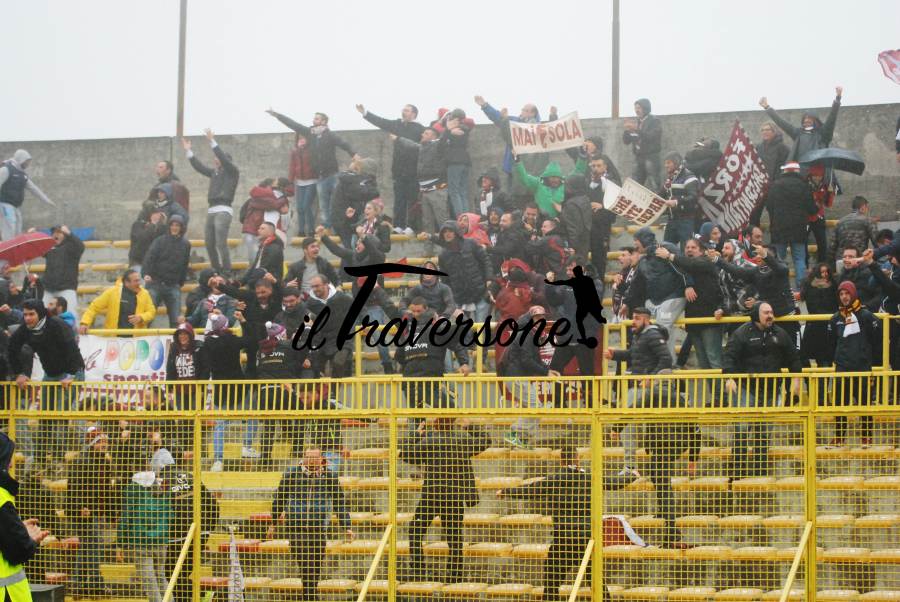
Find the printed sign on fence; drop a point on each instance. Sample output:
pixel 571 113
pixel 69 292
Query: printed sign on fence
pixel 120 358
pixel 738 184
pixel 640 205
pixel 561 134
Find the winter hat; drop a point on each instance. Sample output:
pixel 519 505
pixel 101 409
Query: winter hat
pixel 537 310
pixel 675 157
pixel 184 327
pixel 36 305
pixel 218 322
pixel 161 458
pixel 645 236
pixel 790 167
pixel 754 311
pixel 850 288
pixel 274 330
pixel 93 435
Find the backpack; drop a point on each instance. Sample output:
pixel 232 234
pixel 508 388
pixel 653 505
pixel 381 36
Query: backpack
pixel 245 209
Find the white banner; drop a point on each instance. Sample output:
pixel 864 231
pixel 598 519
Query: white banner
pixel 640 205
pixel 120 358
pixel 561 134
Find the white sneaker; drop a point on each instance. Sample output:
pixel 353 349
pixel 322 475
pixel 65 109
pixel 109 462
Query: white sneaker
pixel 217 466
pixel 399 230
pixel 249 452
pixel 409 232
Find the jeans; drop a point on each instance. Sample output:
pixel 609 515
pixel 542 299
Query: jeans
pixel 306 219
pixel 458 188
pixel 86 563
pixel 10 221
pixel 151 561
pixel 168 294
pixel 434 209
pixel 251 243
pixel 647 171
pixel 273 397
pixel 798 253
pixel 679 231
pixel 377 313
pixel 51 436
pixel 216 236
pixel 70 295
pixel 665 315
pixel 527 394
pixel 325 188
pixel 708 344
pixel 753 435
pixel 406 190
pixel 225 397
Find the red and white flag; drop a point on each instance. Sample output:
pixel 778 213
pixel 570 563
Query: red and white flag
pixel 890 64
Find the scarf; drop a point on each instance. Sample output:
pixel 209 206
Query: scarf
pixel 854 307
pixel 40 325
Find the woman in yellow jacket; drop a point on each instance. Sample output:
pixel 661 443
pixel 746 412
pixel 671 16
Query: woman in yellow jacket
pixel 125 304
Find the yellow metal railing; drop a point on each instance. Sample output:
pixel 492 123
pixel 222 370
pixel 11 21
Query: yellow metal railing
pixel 170 588
pixel 795 565
pixel 490 400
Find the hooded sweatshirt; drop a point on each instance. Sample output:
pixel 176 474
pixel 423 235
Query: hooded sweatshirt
pixel 61 272
pixel 475 231
pixel 646 141
pixel 545 196
pixel 492 197
pixel 466 265
pixel 52 340
pixel 186 362
pixel 437 295
pixel 14 181
pixel 808 139
pixel 167 258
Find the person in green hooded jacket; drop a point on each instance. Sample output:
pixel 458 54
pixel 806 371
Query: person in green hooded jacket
pixel 549 191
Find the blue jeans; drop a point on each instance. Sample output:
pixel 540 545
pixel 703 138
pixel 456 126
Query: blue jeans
pixel 225 397
pixel 458 188
pixel 798 253
pixel 708 344
pixel 216 235
pixel 306 220
pixel 646 172
pixel 325 188
pixel 168 295
pixel 50 438
pixel 375 312
pixel 679 231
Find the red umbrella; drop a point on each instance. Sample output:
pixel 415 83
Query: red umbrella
pixel 25 247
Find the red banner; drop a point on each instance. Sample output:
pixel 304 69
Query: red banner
pixel 738 184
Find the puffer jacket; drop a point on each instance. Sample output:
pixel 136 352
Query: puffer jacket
pixel 167 259
pixel 545 196
pixel 684 187
pixel 751 350
pixel 648 353
pixel 656 279
pixel 467 266
pixel 770 280
pixel 323 145
pixel 791 202
pixel 853 230
pixel 438 295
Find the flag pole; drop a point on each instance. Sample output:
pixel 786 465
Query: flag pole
pixel 615 60
pixel 182 35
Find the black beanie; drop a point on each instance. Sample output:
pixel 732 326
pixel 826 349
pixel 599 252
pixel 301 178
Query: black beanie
pixel 754 311
pixel 36 305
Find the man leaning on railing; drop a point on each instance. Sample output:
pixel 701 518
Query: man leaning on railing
pixel 756 348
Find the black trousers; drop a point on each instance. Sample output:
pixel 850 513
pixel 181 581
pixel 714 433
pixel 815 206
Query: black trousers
pixel 406 191
pixel 852 388
pixel 451 523
pixel 817 228
pixel 308 552
pixel 561 357
pixel 563 560
pixel 659 471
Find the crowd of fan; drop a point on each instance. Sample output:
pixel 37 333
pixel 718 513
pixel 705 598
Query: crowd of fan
pixel 500 251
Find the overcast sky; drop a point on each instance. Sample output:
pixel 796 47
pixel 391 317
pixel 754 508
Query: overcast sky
pixel 108 68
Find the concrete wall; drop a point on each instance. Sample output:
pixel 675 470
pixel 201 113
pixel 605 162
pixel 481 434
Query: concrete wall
pixel 101 183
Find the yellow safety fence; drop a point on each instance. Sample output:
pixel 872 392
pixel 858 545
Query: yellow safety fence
pixel 492 487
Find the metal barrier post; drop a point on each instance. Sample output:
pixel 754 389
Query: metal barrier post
pixel 13 395
pixel 196 466
pixel 378 554
pixel 596 509
pixel 170 589
pixel 810 494
pixel 392 500
pixel 792 574
pixel 581 571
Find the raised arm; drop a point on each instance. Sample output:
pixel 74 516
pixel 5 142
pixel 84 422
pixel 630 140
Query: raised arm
pixel 788 129
pixel 297 127
pixel 831 120
pixel 33 189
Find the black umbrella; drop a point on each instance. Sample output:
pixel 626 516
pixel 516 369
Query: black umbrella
pixel 835 158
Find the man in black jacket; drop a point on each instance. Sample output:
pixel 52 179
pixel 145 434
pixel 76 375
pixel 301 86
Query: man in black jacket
pixel 365 249
pixel 791 201
pixel 703 159
pixel 468 270
pixel 576 215
pixel 323 145
pixel 704 298
pixel 445 453
pixel 856 229
pixel 303 505
pixel 435 293
pixel 512 242
pixel 645 138
pixel 223 180
pixel 293 310
pixel 431 174
pixel 773 152
pixel 682 193
pixel 854 336
pixel 602 219
pixel 165 268
pixel 355 187
pixel 812 133
pixel 566 496
pixel 404 162
pixel 21 539
pixel 149 225
pixel 323 294
pixel 61 274
pixel 301 272
pixel 757 348
pixel 867 288
pixel 648 353
pixel 53 341
pixel 269 257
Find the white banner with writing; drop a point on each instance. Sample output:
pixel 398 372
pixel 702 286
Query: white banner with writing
pixel 561 134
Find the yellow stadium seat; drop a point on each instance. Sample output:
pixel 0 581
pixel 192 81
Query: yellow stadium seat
pixel 754 553
pixel 844 555
pixel 795 595
pixel 480 519
pixel 837 595
pixel 646 593
pixel 376 586
pixel 275 546
pixel 739 594
pixel 509 590
pixel 464 590
pixel 291 584
pixel 708 553
pixel 487 549
pixel 566 590
pixel 420 588
pixel 336 586
pixel 524 520
pixel 753 484
pixel 880 596
pixel 531 550
pixel 257 582
pixel 740 521
pixel 691 594
pixel 118 573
